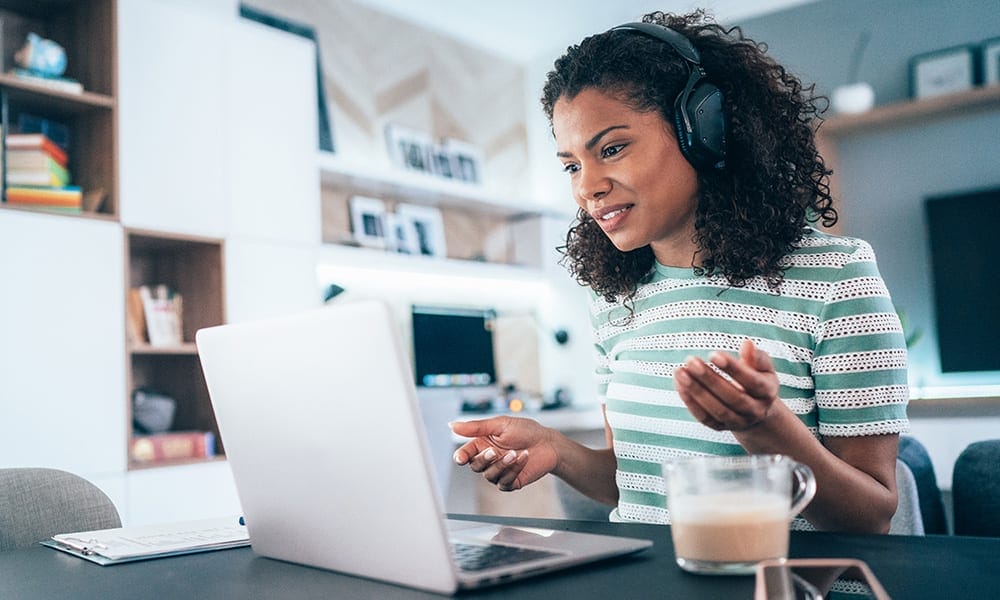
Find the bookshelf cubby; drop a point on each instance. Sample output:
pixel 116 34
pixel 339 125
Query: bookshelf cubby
pixel 192 267
pixel 86 29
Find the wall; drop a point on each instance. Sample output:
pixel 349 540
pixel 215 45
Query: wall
pixel 380 69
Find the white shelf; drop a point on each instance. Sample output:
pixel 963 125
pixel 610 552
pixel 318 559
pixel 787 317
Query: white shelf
pixel 368 259
pixel 420 188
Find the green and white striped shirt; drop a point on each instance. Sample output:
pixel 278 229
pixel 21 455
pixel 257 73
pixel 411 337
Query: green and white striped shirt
pixel 830 329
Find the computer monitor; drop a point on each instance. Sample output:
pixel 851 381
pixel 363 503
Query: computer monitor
pixel 453 347
pixel 964 257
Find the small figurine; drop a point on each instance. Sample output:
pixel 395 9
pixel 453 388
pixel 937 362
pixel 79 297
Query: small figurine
pixel 41 56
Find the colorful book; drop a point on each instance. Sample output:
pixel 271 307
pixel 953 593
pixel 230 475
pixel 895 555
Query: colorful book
pixel 36 141
pixel 172 445
pixel 49 173
pixel 69 196
pixel 34 158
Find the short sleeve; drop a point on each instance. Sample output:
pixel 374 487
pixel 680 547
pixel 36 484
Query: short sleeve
pixel 860 361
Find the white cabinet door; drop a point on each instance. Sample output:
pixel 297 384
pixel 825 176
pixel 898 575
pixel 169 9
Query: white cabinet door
pixel 266 279
pixel 271 133
pixel 172 146
pixel 62 343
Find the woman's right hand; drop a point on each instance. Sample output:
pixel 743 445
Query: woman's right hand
pixel 510 452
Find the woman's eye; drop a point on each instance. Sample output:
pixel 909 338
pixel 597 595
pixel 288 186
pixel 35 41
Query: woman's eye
pixel 612 150
pixel 571 168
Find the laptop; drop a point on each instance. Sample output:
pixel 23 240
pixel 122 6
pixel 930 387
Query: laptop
pixel 318 414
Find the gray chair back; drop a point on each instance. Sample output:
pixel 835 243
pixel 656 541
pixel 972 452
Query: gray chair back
pixel 37 503
pixel 975 489
pixel 907 520
pixel 916 457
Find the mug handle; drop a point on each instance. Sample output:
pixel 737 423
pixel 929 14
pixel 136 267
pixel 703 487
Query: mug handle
pixel 805 484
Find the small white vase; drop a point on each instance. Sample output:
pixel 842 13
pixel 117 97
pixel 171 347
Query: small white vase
pixel 853 98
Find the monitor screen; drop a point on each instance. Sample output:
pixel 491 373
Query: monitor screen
pixel 964 258
pixel 453 347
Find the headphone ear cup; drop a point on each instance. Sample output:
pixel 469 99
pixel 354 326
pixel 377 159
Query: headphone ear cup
pixel 705 145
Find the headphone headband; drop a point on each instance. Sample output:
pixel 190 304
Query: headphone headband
pixel 681 44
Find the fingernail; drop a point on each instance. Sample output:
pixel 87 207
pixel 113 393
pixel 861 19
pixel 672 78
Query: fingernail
pixel 489 454
pixel 694 365
pixel 457 458
pixel 510 457
pixel 718 358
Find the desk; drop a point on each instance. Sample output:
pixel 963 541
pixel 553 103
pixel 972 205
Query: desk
pixel 910 568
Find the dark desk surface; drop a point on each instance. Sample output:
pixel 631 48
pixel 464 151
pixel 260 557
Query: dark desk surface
pixel 910 568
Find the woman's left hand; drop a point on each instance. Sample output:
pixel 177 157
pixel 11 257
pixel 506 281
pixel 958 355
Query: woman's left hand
pixel 737 404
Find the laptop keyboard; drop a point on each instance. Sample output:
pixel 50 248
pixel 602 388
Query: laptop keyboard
pixel 476 557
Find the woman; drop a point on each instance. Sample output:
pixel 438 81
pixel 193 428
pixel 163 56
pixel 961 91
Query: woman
pixel 724 324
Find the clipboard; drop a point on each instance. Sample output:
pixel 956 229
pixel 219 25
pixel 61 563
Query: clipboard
pixel 128 544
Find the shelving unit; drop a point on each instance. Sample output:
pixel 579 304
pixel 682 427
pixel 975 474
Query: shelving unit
pixel 87 31
pixel 477 221
pixel 193 267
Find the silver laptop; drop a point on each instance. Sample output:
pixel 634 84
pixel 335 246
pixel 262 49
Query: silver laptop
pixel 319 417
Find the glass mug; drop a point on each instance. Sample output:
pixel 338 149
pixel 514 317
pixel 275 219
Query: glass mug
pixel 728 513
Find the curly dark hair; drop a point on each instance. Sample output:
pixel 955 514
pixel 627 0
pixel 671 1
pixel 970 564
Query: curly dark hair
pixel 751 214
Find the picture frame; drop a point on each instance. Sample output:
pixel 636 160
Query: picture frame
pixel 402 235
pixel 944 71
pixel 425 225
pixel 467 160
pixel 369 224
pixel 444 164
pixel 990 55
pixel 409 148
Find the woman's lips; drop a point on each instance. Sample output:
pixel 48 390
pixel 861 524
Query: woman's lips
pixel 611 219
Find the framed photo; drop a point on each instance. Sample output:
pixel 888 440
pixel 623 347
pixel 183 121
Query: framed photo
pixel 942 72
pixel 409 148
pixel 443 162
pixel 426 226
pixel 991 61
pixel 402 235
pixel 368 221
pixel 466 160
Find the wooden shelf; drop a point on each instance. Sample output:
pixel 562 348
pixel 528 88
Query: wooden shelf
pixel 52 101
pixel 899 114
pixel 188 349
pixel 915 111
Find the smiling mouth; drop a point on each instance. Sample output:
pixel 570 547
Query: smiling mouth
pixel 615 213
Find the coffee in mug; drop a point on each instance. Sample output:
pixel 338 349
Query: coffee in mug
pixel 729 512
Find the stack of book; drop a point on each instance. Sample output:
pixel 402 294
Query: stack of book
pixel 37 174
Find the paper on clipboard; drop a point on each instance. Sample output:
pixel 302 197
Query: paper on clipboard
pixel 125 544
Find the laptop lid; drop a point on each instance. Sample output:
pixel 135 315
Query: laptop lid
pixel 319 418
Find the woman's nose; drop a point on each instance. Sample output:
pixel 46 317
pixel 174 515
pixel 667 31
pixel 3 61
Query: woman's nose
pixel 592 184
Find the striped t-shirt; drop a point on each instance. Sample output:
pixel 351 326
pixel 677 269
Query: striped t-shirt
pixel 830 330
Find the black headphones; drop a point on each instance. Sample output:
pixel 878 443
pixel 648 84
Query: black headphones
pixel 698 118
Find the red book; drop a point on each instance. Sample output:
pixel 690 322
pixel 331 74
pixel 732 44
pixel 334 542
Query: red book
pixel 37 141
pixel 172 445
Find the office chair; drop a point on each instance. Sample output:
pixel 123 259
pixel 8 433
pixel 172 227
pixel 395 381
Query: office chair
pixel 36 504
pixel 916 457
pixel 975 489
pixel 907 520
